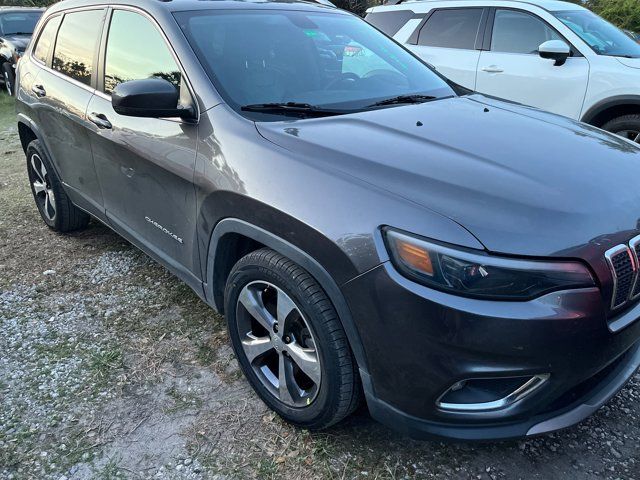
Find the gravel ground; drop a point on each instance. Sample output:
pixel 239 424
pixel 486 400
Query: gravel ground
pixel 111 368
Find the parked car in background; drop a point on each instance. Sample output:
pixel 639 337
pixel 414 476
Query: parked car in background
pixel 16 27
pixel 556 56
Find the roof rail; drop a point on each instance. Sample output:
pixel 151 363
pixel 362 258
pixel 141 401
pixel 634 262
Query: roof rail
pixel 328 3
pixel 392 2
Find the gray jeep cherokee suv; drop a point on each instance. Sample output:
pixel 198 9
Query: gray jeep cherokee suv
pixel 367 227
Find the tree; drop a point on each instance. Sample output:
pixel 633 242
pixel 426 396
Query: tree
pixel 623 13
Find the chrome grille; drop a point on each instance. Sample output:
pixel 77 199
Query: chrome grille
pixel 635 250
pixel 623 263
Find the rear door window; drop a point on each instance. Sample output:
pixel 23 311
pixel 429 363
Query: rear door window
pixel 452 28
pixel 75 50
pixel 390 22
pixel 43 47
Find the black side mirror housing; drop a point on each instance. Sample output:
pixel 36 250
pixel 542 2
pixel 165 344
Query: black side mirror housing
pixel 149 98
pixel 556 50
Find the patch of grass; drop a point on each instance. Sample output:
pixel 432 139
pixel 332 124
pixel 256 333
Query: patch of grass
pixel 7 112
pixel 206 355
pixel 104 363
pixel 182 400
pixel 110 471
pixel 267 468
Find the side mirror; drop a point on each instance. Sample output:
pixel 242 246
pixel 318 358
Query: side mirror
pixel 555 50
pixel 150 98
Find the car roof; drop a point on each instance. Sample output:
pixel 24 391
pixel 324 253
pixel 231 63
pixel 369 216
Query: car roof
pixel 187 5
pixel 550 5
pixel 20 9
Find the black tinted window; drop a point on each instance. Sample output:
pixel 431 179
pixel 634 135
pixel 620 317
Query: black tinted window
pixel 390 22
pixel 456 28
pixel 76 44
pixel 519 32
pixel 19 22
pixel 135 51
pixel 41 52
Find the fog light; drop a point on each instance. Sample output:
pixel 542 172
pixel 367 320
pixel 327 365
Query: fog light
pixel 484 394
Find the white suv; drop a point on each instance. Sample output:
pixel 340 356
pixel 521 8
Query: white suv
pixel 552 55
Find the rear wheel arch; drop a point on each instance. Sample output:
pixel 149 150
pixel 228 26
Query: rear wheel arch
pixel 28 131
pixel 611 108
pixel 233 238
pixel 27 135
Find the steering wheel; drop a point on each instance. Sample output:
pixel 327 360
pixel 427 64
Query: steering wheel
pixel 352 78
pixel 388 76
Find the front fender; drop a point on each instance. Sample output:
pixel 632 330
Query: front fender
pixel 302 258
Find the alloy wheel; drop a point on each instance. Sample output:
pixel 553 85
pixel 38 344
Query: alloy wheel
pixel 633 135
pixel 7 83
pixel 278 343
pixel 42 187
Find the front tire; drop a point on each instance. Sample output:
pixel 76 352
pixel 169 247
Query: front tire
pixel 54 205
pixel 9 77
pixel 626 126
pixel 289 341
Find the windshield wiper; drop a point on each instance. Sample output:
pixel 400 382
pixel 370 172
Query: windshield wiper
pixel 292 107
pixel 402 99
pixel 19 33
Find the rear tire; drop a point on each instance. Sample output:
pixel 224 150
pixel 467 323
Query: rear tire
pixel 310 332
pixel 54 205
pixel 9 77
pixel 626 126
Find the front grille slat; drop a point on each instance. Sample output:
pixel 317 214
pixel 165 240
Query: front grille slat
pixel 635 249
pixel 624 268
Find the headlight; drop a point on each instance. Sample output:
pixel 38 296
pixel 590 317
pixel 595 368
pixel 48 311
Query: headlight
pixel 477 274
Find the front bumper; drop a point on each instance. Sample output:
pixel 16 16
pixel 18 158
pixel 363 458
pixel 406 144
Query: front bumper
pixel 419 342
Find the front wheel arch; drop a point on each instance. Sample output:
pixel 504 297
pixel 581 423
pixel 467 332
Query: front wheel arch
pixel 611 108
pixel 263 238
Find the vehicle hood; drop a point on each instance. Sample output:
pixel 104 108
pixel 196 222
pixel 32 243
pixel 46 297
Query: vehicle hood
pixel 18 41
pixel 629 62
pixel 522 181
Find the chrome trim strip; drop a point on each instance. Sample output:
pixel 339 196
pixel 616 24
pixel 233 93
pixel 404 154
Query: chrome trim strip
pixel 633 243
pixel 608 255
pixel 523 391
pixel 67 78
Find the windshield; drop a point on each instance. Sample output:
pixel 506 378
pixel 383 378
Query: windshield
pixel 600 35
pixel 327 60
pixel 18 22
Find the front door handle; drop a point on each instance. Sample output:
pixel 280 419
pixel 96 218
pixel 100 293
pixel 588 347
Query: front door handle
pixel 39 91
pixel 100 120
pixel 492 69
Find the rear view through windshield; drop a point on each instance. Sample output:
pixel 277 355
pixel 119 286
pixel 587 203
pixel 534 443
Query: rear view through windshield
pixel 18 23
pixel 322 59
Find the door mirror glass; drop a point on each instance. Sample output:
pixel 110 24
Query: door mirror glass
pixel 151 98
pixel 555 50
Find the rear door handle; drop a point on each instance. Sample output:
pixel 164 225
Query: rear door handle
pixel 39 91
pixel 492 69
pixel 100 120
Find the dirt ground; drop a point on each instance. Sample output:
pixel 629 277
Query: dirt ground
pixel 111 368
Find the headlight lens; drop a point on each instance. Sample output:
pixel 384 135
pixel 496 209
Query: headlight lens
pixel 477 274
